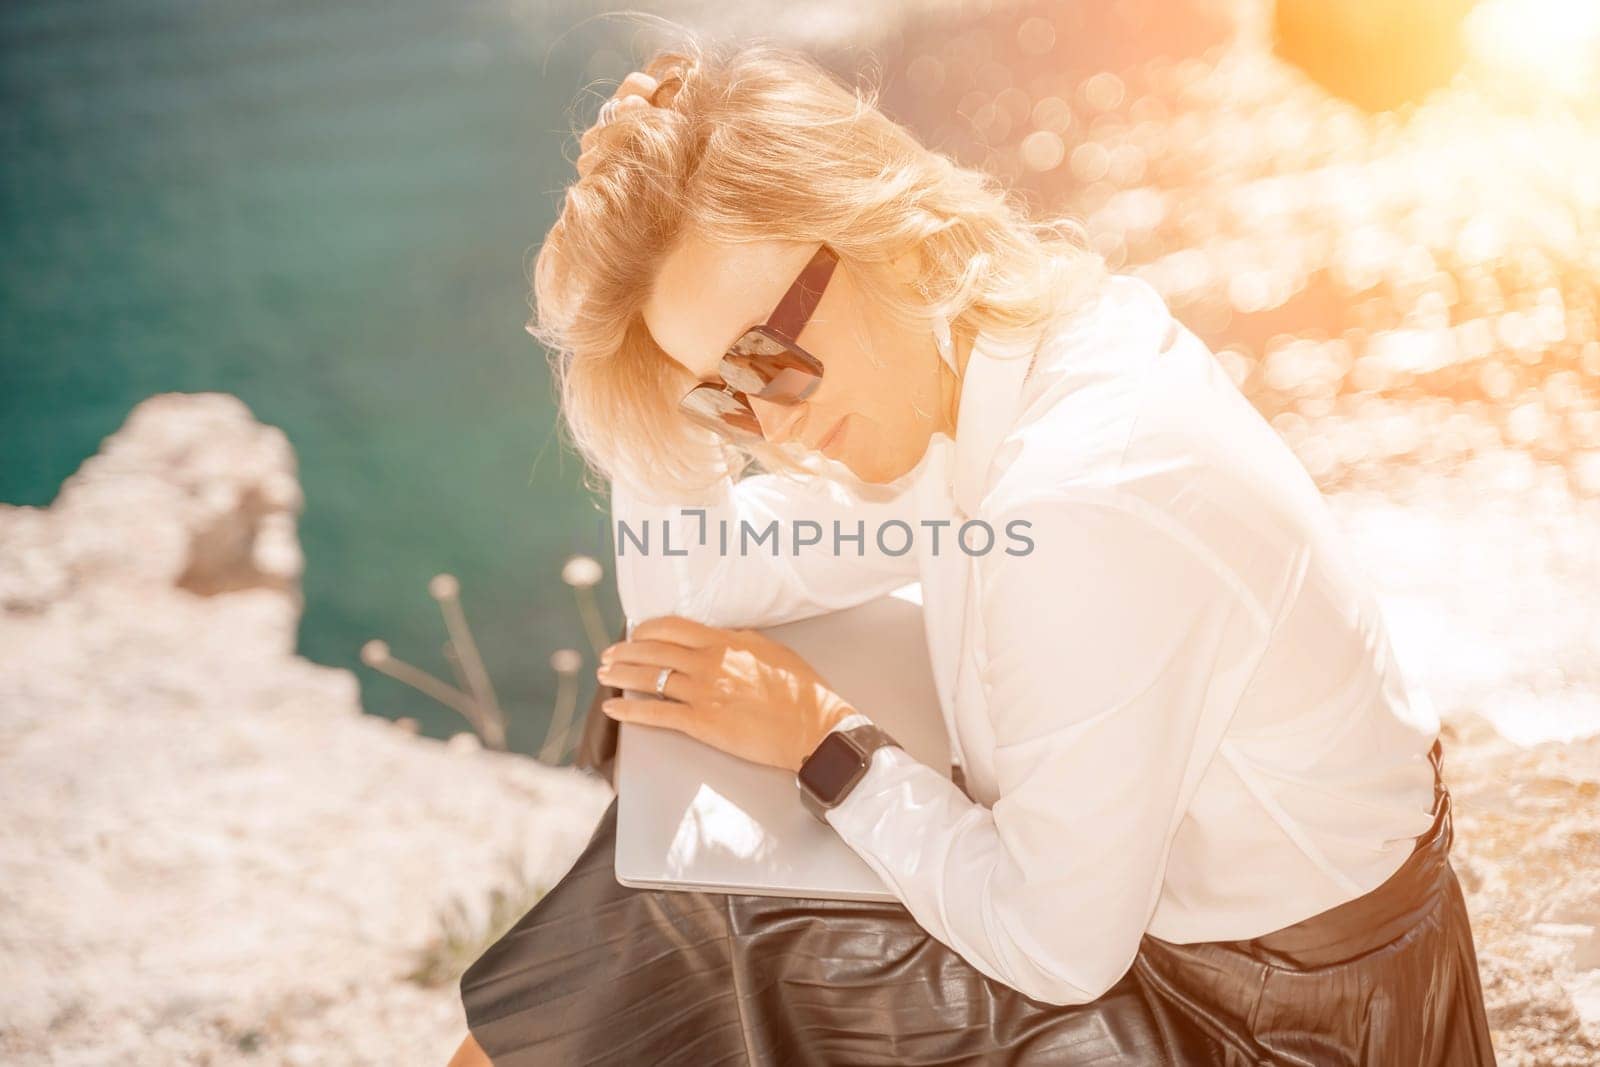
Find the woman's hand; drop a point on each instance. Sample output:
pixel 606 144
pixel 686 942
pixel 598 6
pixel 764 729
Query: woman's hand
pixel 636 90
pixel 736 690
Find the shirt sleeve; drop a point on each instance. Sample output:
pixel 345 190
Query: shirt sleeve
pixel 1117 650
pixel 765 550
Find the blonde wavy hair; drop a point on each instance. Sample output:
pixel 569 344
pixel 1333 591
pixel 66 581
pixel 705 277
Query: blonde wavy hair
pixel 757 142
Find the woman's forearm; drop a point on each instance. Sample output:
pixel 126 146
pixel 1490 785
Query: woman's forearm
pixel 763 551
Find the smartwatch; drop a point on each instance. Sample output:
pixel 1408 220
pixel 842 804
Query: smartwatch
pixel 839 761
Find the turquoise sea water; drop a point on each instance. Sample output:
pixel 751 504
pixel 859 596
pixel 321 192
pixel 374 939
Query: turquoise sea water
pixel 327 210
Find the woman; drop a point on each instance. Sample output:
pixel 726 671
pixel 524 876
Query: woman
pixel 1201 821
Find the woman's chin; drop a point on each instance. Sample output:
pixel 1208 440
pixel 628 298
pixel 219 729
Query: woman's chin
pixel 860 451
pixel 869 476
pixel 869 468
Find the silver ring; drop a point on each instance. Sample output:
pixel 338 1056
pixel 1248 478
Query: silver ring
pixel 661 681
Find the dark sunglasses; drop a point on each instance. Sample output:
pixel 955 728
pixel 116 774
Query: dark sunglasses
pixel 765 362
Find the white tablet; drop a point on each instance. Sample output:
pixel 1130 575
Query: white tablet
pixel 691 817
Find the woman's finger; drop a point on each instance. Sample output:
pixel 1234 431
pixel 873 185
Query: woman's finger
pixel 651 654
pixel 667 713
pixel 636 91
pixel 643 679
pixel 638 83
pixel 587 141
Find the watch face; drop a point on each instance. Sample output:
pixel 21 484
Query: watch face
pixel 831 768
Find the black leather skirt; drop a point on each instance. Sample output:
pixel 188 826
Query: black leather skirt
pixel 597 973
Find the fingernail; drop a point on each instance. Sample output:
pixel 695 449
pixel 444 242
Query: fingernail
pixel 608 706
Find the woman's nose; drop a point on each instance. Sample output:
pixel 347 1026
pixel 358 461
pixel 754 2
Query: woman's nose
pixel 779 422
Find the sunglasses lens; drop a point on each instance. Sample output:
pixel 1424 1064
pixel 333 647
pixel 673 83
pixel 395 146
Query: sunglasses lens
pixel 759 365
pixel 728 415
pixel 762 366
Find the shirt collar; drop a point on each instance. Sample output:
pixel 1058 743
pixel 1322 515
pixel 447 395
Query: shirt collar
pixel 991 396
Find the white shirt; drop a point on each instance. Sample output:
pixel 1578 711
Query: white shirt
pixel 1179 713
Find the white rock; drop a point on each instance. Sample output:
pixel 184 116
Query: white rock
pixel 206 846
